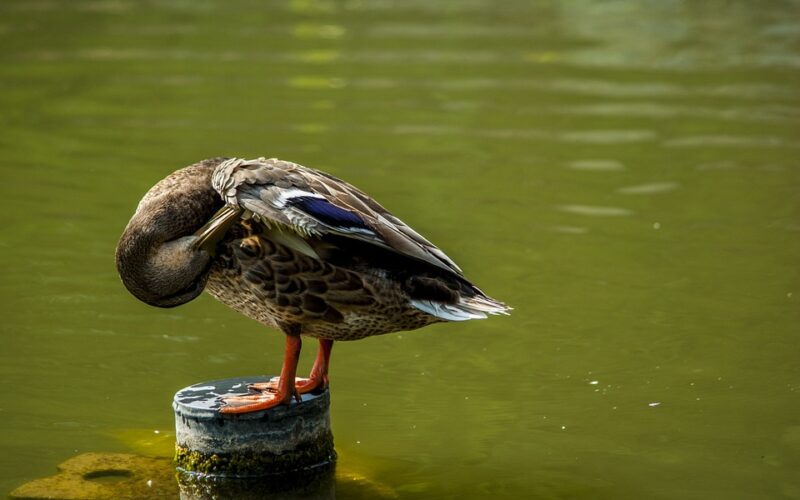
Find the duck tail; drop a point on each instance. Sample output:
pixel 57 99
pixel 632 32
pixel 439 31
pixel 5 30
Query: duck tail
pixel 479 306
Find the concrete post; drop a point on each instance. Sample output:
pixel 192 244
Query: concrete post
pixel 285 439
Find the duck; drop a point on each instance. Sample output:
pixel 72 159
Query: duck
pixel 295 249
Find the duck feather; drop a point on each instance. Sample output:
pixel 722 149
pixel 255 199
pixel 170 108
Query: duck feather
pixel 311 202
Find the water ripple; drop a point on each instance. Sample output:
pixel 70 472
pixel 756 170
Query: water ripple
pixel 595 211
pixel 618 89
pixel 652 110
pixel 571 229
pixel 596 165
pixel 608 136
pixel 651 188
pixel 725 140
pixel 439 30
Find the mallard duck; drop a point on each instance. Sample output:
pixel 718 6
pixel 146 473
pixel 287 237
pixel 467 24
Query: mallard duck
pixel 295 249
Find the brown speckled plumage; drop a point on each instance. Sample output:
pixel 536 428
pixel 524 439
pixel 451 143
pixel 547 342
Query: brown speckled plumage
pixel 285 289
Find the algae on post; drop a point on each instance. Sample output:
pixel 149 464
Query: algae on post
pixel 248 464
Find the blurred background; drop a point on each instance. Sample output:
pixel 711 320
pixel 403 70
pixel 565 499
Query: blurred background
pixel 625 174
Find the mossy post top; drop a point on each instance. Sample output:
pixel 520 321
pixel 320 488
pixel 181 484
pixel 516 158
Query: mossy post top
pixel 283 439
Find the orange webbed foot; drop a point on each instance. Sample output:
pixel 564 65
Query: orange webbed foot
pixel 306 385
pixel 302 385
pixel 254 402
pixel 271 386
pixel 279 390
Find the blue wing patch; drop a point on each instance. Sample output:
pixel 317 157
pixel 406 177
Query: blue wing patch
pixel 327 212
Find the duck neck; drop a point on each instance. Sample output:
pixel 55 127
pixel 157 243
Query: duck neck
pixel 156 255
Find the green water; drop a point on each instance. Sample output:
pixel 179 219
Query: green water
pixel 626 175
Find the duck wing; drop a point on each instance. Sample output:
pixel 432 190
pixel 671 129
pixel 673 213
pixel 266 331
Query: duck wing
pixel 312 203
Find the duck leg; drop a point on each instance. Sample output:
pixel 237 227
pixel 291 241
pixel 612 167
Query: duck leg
pixel 281 394
pixel 318 379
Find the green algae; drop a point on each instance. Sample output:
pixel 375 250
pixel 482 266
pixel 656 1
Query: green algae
pixel 317 482
pixel 102 476
pixel 251 464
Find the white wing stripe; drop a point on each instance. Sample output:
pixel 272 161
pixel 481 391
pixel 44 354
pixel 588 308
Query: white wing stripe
pixel 287 194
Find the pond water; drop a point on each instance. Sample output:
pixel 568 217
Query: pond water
pixel 625 175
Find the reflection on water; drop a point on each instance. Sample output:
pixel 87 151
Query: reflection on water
pixel 650 188
pixel 596 165
pixel 595 211
pixel 624 174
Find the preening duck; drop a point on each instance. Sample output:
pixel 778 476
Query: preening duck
pixel 295 249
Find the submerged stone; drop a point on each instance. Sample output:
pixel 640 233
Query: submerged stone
pixel 100 476
pixel 103 476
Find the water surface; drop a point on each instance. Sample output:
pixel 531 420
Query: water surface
pixel 624 174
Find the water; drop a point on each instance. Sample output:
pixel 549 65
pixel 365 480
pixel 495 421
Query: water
pixel 624 174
